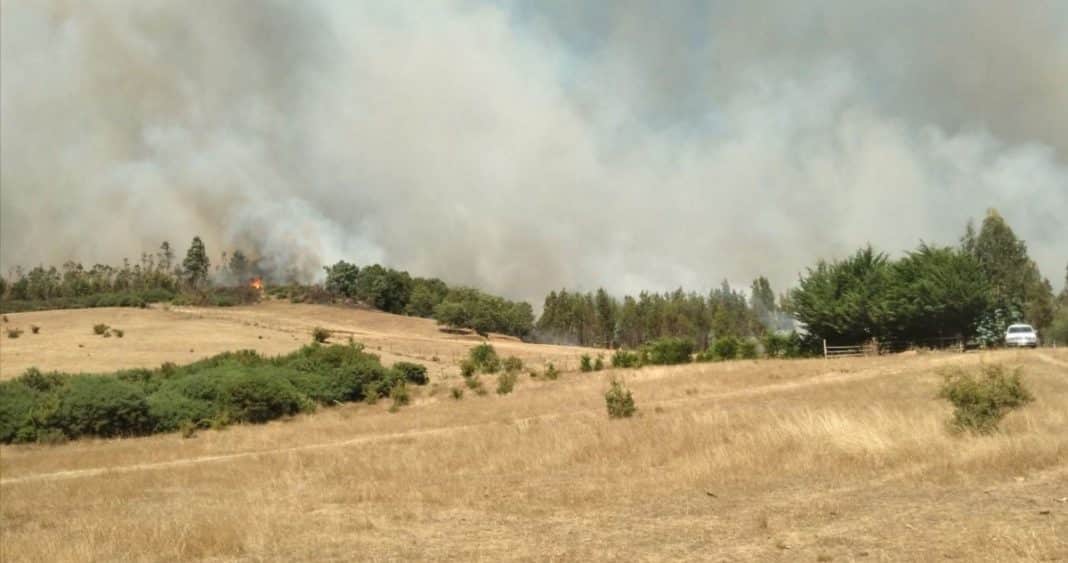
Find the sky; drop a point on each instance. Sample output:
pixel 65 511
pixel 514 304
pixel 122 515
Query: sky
pixel 525 146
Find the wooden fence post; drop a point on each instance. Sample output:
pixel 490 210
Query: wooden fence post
pixel 825 348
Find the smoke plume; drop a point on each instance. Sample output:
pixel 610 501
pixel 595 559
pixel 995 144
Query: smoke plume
pixel 521 146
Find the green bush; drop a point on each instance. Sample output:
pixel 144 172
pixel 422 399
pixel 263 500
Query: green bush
pixel 668 351
pixel 320 334
pixel 400 396
pixel 457 393
pixel 412 372
pixel 585 363
pixel 467 368
pixel 512 364
pixel 91 405
pixel 981 400
pixel 726 348
pixel 34 379
pixel 232 387
pixel 619 401
pixel 777 345
pixel 484 357
pixel 551 372
pixel 598 364
pixel 123 299
pixel 17 403
pixel 747 349
pixel 259 396
pixel 100 329
pixel 506 382
pixel 172 411
pixel 625 359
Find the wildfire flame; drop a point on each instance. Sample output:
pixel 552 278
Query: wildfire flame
pixel 256 283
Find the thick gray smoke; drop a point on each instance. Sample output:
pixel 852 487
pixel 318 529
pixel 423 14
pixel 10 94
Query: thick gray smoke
pixel 525 146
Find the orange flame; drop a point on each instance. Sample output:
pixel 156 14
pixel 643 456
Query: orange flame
pixel 256 283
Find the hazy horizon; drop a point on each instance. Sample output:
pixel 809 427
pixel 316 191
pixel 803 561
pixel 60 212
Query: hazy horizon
pixel 526 146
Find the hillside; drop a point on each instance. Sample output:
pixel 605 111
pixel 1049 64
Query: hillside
pixel 751 460
pixel 183 334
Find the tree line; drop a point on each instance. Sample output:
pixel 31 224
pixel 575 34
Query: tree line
pixel 972 292
pixel 158 276
pixel 969 292
pixel 602 320
pixel 396 291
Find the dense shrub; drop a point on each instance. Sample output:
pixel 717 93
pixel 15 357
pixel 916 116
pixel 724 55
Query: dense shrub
pixel 777 345
pixel 474 383
pixel 585 363
pixel 100 406
pixel 120 299
pixel 172 411
pixel 598 364
pixel 412 372
pixel 400 395
pixel 981 400
pixel 467 368
pixel 625 359
pixel 512 364
pixel 506 382
pixel 232 387
pixel 551 373
pixel 320 334
pixel 747 349
pixel 668 351
pixel 218 297
pixel 619 401
pixel 261 395
pixel 34 379
pixel 17 402
pixel 726 348
pixel 484 358
pixel 100 329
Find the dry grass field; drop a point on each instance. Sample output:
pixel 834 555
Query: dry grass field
pixel 184 334
pixel 813 460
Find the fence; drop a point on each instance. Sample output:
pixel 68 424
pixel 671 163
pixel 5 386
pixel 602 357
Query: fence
pixel 877 347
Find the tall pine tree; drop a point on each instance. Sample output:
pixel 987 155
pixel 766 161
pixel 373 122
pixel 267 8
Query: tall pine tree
pixel 196 263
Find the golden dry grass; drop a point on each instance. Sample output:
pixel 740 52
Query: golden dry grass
pixel 185 334
pixel 846 460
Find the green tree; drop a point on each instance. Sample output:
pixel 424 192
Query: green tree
pixel 426 294
pixel 341 278
pixel 166 257
pixel 196 263
pixel 936 292
pixel 762 301
pixel 385 289
pixel 1015 282
pixel 239 266
pixel 606 308
pixel 1063 299
pixel 845 301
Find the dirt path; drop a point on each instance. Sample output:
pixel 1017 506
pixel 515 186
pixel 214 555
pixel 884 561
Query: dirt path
pixel 1051 360
pixel 827 378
